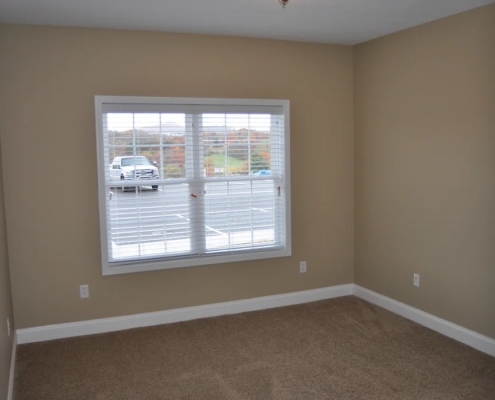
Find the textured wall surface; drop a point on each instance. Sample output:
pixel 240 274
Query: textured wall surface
pixel 5 304
pixel 425 167
pixel 48 80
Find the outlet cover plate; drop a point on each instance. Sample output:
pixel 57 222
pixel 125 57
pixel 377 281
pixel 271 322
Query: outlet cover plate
pixel 84 291
pixel 302 267
pixel 416 280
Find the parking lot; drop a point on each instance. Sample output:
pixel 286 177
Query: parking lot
pixel 233 211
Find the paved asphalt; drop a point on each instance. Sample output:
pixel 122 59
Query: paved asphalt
pixel 149 216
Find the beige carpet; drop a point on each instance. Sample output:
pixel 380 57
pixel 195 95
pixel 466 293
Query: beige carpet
pixel 336 349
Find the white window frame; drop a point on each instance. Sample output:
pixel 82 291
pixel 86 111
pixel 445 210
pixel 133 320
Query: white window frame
pixel 189 261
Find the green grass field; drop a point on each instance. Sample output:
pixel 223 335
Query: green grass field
pixel 219 161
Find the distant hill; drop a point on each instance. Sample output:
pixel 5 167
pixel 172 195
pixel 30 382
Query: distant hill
pixel 170 128
pixel 175 129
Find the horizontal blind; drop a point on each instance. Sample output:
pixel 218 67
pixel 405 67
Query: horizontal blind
pixel 194 181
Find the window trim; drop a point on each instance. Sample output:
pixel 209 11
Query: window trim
pixel 187 261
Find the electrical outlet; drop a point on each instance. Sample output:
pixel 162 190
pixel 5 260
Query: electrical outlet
pixel 84 291
pixel 302 267
pixel 8 327
pixel 416 280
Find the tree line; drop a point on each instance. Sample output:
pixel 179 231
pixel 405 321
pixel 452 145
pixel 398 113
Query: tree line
pixel 250 148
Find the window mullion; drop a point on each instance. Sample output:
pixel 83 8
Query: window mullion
pixel 277 167
pixel 195 172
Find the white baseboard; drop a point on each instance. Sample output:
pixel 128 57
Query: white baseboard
pixel 50 332
pixel 10 393
pixel 456 332
pixel 60 331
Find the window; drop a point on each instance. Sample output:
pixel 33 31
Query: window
pixel 187 182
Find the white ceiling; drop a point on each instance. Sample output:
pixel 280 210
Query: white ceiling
pixel 326 21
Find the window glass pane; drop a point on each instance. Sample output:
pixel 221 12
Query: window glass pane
pixel 160 138
pixel 148 223
pixel 236 144
pixel 239 214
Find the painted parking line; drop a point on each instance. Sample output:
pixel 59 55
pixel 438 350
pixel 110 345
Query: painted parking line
pixel 206 226
pixel 237 193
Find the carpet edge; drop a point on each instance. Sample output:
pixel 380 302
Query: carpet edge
pixel 113 324
pixel 10 391
pixel 471 338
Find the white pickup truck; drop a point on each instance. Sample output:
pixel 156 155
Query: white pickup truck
pixel 130 168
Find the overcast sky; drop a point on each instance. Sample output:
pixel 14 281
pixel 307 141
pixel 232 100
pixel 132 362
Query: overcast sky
pixel 124 122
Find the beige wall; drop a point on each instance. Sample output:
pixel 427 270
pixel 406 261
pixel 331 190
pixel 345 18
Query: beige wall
pixel 425 167
pixel 424 140
pixel 5 303
pixel 48 79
